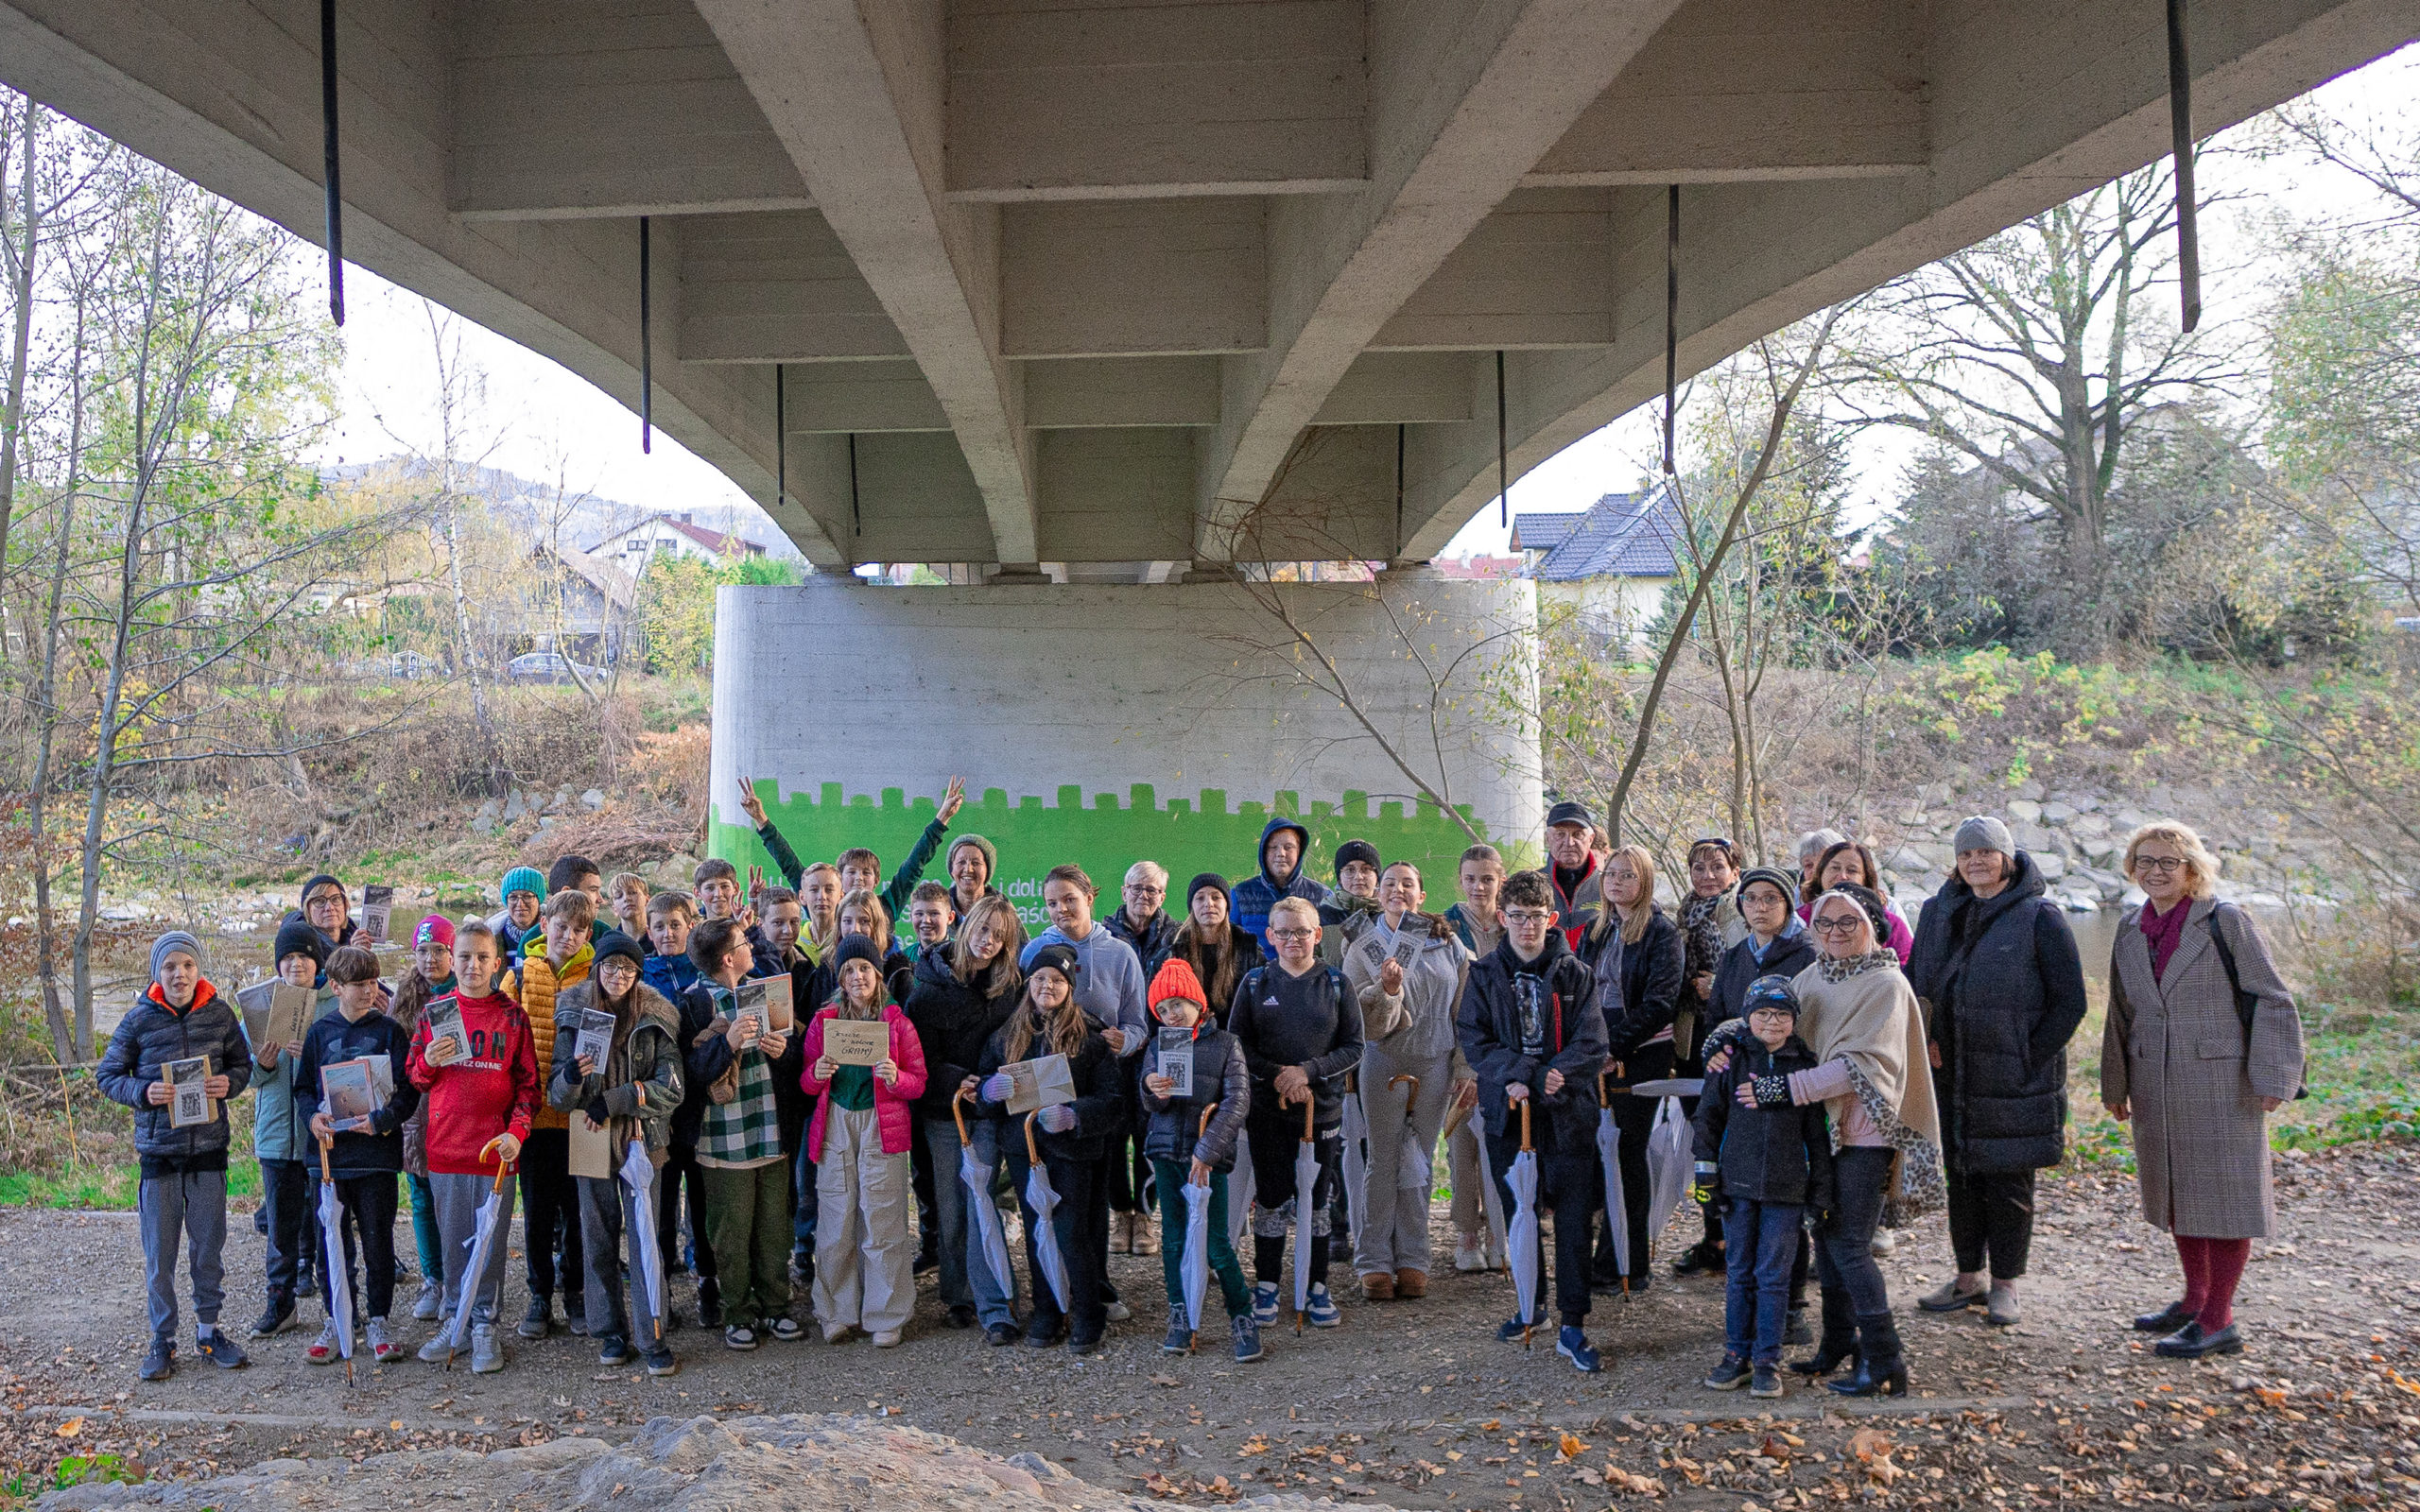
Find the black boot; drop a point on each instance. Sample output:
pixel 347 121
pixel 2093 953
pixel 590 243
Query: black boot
pixel 1840 1338
pixel 1882 1371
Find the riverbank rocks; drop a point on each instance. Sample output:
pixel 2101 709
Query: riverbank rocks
pixel 810 1462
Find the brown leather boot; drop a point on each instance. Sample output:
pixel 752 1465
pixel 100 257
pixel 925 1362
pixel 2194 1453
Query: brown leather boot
pixel 1410 1284
pixel 1378 1286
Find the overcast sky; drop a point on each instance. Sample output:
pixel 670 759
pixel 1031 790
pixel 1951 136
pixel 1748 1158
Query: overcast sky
pixel 542 412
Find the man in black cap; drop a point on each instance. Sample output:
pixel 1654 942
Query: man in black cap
pixel 1571 869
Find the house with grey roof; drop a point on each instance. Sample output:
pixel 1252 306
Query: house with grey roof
pixel 1610 562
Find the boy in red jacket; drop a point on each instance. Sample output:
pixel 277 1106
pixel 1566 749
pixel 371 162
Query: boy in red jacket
pixel 482 1091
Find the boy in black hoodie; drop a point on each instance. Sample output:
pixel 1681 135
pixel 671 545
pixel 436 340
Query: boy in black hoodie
pixel 364 1162
pixel 1530 1026
pixel 1764 1167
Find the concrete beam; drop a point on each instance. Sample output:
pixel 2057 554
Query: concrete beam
pixel 561 108
pixel 1759 89
pixel 776 287
pixel 1117 496
pixel 1409 388
pixel 856 96
pixel 1466 97
pixel 845 397
pixel 1133 276
pixel 1757 256
pixel 1068 393
pixel 1052 101
pixel 1537 272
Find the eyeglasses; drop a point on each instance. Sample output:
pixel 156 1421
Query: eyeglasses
pixel 1837 924
pixel 2158 863
pixel 1293 934
pixel 1527 916
pixel 1146 889
pixel 1773 1016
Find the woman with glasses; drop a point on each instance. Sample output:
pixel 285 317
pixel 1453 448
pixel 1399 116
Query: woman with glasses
pixel 1636 950
pixel 2203 1043
pixel 1997 970
pixel 1862 1021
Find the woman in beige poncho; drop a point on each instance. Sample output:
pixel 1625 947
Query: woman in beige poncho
pixel 1862 1021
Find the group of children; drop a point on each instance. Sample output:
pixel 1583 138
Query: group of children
pixel 914 1084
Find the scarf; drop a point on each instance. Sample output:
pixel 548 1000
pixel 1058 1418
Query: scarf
pixel 1702 931
pixel 2163 933
pixel 1842 970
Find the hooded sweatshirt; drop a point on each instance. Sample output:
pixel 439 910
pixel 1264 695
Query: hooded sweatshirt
pixel 639 1088
pixel 1109 981
pixel 335 1037
pixel 1256 895
pixel 1520 1019
pixel 491 1088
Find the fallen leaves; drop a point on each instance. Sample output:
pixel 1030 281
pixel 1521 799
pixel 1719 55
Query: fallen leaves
pixel 1872 1448
pixel 71 1428
pixel 1570 1447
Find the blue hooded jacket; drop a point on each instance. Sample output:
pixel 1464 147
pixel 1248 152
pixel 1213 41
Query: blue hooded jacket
pixel 1256 895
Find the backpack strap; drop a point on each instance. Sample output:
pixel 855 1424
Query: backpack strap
pixel 2246 1004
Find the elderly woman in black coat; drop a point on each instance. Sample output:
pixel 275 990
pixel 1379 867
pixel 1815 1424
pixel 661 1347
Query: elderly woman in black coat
pixel 1996 968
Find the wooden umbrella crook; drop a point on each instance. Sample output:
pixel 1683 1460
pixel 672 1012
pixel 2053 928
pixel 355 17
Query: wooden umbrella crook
pixel 957 1111
pixel 1032 1151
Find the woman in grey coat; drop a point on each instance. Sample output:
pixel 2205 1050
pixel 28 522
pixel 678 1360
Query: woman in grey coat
pixel 1406 975
pixel 2198 1076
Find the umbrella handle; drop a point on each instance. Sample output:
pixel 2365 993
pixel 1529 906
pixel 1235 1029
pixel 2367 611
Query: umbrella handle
pixel 1310 1107
pixel 502 1169
pixel 1411 1096
pixel 325 1175
pixel 1031 1152
pixel 1525 1126
pixel 1206 1114
pixel 957 1110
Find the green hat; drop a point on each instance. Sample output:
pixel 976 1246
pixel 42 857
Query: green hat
pixel 523 879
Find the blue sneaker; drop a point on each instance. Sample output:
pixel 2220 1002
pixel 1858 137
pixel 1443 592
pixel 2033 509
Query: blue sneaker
pixel 1510 1330
pixel 1247 1339
pixel 1321 1312
pixel 1574 1346
pixel 1264 1304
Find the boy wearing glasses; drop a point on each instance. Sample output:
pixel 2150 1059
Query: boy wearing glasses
pixel 1762 1168
pixel 1530 1026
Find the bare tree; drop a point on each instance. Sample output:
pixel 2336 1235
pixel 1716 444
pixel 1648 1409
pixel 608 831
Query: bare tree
pixel 2036 354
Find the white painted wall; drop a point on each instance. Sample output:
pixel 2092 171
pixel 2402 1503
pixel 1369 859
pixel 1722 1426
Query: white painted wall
pixel 1030 689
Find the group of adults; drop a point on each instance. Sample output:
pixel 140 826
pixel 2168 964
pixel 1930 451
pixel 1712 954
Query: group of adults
pixel 2202 1043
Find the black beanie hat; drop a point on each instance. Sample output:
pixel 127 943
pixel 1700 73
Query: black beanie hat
pixel 855 948
pixel 1354 850
pixel 613 942
pixel 295 936
pixel 1208 879
pixel 1774 877
pixel 1060 958
pixel 318 881
pixel 1770 992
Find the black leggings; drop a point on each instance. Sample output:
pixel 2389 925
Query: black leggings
pixel 1273 1173
pixel 1844 1255
pixel 1991 1215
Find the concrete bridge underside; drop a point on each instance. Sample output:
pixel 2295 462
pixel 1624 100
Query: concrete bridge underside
pixel 1078 283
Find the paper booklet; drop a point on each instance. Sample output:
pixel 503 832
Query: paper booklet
pixel 1175 1053
pixel 277 1012
pixel 595 1039
pixel 446 1020
pixel 857 1041
pixel 352 1090
pixel 188 1104
pixel 1408 947
pixel 1046 1081
pixel 377 910
pixel 768 1000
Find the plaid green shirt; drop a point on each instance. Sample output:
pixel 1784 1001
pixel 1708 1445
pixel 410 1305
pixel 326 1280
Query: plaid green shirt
pixel 746 1131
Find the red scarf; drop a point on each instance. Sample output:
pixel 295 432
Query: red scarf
pixel 2164 935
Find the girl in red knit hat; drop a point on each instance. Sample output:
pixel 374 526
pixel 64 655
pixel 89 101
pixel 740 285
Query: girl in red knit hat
pixel 1193 1067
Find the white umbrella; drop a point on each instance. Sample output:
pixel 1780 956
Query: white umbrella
pixel 1609 1155
pixel 1413 1167
pixel 333 1269
pixel 1307 1179
pixel 1670 1159
pixel 1043 1199
pixel 1194 1268
pixel 1243 1190
pixel 1521 1233
pixel 978 1178
pixel 481 1245
pixel 1355 1161
pixel 640 1173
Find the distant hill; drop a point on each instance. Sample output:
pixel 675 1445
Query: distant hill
pixel 586 518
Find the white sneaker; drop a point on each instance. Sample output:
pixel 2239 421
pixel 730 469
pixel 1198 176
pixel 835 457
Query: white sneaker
pixel 1117 1312
pixel 486 1351
pixel 1470 1252
pixel 885 1339
pixel 432 1295
pixel 1884 1241
pixel 435 1351
pixel 382 1348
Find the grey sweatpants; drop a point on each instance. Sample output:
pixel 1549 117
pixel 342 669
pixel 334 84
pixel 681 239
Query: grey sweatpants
pixel 192 1207
pixel 458 1198
pixel 1393 1217
pixel 606 1212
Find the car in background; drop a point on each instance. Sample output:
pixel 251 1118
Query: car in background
pixel 550 666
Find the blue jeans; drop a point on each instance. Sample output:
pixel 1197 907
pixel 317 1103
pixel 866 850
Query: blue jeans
pixel 1760 1245
pixel 949 1209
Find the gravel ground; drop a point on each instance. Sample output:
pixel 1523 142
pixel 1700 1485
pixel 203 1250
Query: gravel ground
pixel 1411 1405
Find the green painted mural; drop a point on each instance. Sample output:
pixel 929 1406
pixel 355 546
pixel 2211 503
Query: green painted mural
pixel 1106 836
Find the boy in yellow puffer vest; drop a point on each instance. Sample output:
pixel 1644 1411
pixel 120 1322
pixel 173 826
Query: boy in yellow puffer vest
pixel 550 962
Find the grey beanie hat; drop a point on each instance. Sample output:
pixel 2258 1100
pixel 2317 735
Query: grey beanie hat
pixel 172 943
pixel 1984 833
